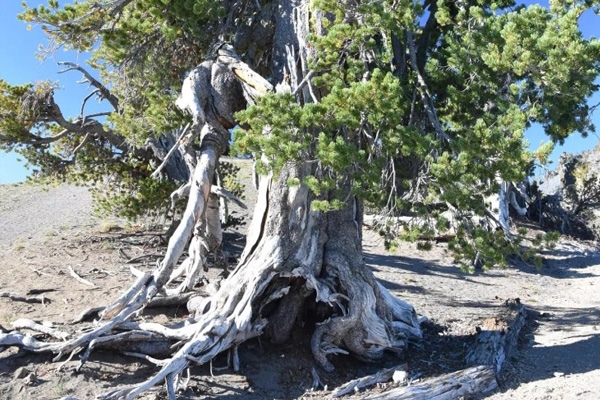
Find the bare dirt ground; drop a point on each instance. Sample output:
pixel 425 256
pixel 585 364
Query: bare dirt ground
pixel 43 233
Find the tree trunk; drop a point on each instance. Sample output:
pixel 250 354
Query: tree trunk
pixel 297 262
pixel 296 258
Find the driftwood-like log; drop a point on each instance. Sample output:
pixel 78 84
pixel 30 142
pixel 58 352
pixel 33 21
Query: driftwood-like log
pixel 366 381
pixel 498 337
pixel 467 382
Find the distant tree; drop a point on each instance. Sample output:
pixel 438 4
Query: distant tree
pixel 414 108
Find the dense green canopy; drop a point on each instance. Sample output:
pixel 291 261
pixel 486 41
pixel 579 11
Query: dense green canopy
pixel 418 102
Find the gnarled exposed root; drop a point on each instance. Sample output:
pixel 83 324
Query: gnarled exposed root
pixel 228 322
pixel 235 314
pixel 147 286
pixel 371 324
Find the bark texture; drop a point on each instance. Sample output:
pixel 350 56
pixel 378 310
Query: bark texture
pixel 456 385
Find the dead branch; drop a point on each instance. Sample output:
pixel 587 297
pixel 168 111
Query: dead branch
pixel 143 256
pixel 497 339
pixel 49 139
pixel 120 339
pixel 172 151
pixel 423 90
pixel 303 82
pixel 85 100
pixel 27 299
pixel 159 301
pixel 40 273
pixel 104 92
pixel 79 278
pixel 366 381
pixel 222 192
pixel 44 327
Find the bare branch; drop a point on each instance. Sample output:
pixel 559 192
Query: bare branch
pixel 26 299
pixel 95 115
pixel 24 323
pixel 80 145
pixel 105 93
pixel 89 96
pixel 88 125
pixel 369 380
pixel 222 192
pixel 303 82
pixel 79 278
pixel 49 139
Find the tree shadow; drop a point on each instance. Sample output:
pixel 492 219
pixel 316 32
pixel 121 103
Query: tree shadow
pixel 400 287
pixel 573 358
pixel 417 266
pixel 578 352
pixel 568 320
pixel 570 266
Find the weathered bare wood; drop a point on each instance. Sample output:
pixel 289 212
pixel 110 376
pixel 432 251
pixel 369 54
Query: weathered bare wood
pixel 27 299
pixel 170 301
pixel 79 278
pixel 183 332
pixel 156 302
pixel 222 192
pixel 498 337
pixel 122 340
pixel 118 305
pixel 366 381
pixel 46 328
pixel 293 253
pixel 27 342
pixel 212 94
pixel 467 382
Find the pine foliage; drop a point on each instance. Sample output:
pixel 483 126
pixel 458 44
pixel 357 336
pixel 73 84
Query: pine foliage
pixel 422 105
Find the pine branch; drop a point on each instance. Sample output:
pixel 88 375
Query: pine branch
pixel 104 92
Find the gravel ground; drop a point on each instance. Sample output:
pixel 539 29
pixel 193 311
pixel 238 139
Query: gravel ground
pixel 43 232
pixel 28 212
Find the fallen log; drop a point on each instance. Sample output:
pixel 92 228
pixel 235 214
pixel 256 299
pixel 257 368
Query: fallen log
pixel 498 337
pixel 467 382
pixel 370 380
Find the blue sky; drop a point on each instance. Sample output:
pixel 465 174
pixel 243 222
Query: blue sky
pixel 19 65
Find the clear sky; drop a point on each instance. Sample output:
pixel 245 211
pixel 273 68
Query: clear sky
pixel 19 65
